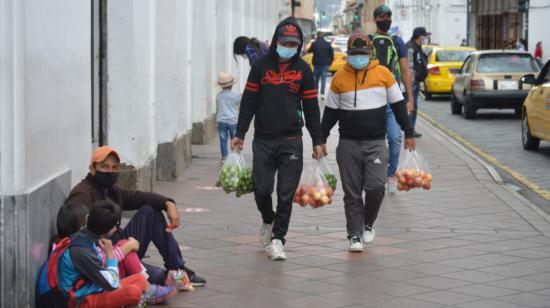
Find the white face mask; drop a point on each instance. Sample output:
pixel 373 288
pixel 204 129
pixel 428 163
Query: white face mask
pixel 425 41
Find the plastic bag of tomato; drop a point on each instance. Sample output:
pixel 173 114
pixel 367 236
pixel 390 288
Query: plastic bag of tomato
pixel 413 172
pixel 317 187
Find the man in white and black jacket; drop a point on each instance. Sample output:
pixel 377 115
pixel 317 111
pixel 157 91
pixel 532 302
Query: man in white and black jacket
pixel 280 90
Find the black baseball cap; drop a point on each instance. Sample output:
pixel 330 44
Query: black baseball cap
pixel 381 10
pixel 288 33
pixel 418 31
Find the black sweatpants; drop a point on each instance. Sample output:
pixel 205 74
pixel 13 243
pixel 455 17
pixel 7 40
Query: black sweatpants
pixel 284 156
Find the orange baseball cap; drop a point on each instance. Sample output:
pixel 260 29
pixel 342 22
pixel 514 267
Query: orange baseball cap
pixel 101 153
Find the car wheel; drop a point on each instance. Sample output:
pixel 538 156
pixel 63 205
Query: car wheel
pixel 456 107
pixel 529 142
pixel 469 109
pixel 427 95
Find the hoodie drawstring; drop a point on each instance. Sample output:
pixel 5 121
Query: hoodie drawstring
pixel 355 96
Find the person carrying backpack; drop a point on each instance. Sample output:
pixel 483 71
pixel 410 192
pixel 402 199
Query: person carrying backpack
pixel 77 275
pixel 391 52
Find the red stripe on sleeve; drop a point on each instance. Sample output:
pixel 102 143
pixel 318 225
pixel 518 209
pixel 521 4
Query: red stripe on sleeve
pixel 309 96
pixel 310 91
pixel 251 89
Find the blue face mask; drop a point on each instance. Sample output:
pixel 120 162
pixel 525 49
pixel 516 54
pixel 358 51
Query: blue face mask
pixel 359 62
pixel 286 52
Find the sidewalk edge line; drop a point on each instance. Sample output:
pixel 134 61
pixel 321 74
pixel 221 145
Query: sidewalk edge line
pixel 484 158
pixel 449 136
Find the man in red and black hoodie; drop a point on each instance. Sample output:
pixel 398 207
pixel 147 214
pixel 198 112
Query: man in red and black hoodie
pixel 280 88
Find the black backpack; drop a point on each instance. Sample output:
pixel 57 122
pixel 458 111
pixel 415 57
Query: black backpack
pixel 385 52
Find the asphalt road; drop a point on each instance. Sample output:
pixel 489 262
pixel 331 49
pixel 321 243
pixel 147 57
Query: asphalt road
pixel 497 133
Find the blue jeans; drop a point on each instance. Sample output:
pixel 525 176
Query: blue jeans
pixel 412 115
pixel 393 132
pixel 225 130
pixel 320 72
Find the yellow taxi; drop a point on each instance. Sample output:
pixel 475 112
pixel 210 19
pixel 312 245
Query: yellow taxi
pixel 443 65
pixel 340 59
pixel 535 124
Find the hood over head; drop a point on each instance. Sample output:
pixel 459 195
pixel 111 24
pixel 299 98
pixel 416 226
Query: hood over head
pixel 292 25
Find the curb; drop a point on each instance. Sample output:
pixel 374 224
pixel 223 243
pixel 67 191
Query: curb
pixel 485 159
pixel 442 132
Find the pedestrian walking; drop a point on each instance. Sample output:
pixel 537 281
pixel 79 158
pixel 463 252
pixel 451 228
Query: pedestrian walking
pixel 227 110
pixel 250 48
pixel 280 88
pixel 323 55
pixel 538 54
pixel 418 61
pixel 357 100
pixel 391 52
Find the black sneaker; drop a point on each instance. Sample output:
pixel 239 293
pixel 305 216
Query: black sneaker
pixel 196 281
pixel 417 135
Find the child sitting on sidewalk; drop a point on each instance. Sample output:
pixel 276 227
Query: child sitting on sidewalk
pixel 72 217
pixel 104 217
pixel 227 109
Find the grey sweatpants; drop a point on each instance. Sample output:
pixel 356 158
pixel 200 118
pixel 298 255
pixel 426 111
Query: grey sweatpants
pixel 363 166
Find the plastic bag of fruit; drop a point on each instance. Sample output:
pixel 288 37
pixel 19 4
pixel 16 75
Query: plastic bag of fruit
pixel 314 189
pixel 328 173
pixel 413 172
pixel 235 176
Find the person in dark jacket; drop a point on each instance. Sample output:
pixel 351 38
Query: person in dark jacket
pixel 323 55
pixel 418 61
pixel 147 225
pixel 278 85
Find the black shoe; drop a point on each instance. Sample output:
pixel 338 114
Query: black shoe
pixel 417 135
pixel 196 281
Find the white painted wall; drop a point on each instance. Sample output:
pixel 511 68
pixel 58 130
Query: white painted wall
pixel 539 11
pixel 163 58
pixel 445 19
pixel 45 93
pixel 131 81
pixel 193 44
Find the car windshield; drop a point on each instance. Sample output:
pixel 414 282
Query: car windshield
pixel 507 63
pixel 451 55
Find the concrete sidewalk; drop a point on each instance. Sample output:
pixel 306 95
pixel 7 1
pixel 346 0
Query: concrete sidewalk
pixel 468 242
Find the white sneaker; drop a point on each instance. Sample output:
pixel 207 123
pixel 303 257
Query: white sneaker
pixel 368 235
pixel 322 97
pixel 266 232
pixel 355 244
pixel 392 185
pixel 276 251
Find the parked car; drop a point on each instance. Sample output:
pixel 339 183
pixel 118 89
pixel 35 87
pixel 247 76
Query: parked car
pixel 535 123
pixel 491 79
pixel 443 65
pixel 338 63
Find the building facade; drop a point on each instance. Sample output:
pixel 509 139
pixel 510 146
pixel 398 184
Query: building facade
pixel 137 75
pixel 495 23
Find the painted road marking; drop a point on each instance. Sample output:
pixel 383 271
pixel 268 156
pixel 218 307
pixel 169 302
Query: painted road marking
pixel 194 210
pixel 489 158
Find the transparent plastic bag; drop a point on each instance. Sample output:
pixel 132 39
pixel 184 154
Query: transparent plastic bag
pixel 235 176
pixel 314 189
pixel 413 172
pixel 328 173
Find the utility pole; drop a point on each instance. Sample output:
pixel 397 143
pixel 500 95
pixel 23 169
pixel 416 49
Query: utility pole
pixel 293 5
